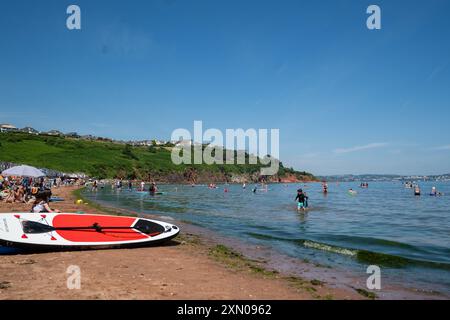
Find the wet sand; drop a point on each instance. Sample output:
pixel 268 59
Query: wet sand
pixel 181 269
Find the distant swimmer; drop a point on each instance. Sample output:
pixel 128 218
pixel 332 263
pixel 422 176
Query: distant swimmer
pixel 142 186
pixel 324 187
pixel 244 186
pixel 417 190
pixel 95 185
pixel 153 188
pixel 130 185
pixel 352 192
pixel 302 200
pixel 254 189
pixel 435 193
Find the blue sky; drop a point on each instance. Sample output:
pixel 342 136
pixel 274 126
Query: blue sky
pixel 346 99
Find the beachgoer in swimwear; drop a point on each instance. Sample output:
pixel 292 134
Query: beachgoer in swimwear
pixel 433 191
pixel 41 205
pixel 324 187
pixel 95 185
pixel 417 190
pixel 153 188
pixel 301 199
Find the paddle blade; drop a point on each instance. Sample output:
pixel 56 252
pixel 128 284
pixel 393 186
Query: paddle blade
pixel 35 227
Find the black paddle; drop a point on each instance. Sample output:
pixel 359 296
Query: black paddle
pixel 37 227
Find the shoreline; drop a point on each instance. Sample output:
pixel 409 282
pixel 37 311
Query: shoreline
pixel 350 279
pixel 281 276
pixel 290 267
pixel 187 268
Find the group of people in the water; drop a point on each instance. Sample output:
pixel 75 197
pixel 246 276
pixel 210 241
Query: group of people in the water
pixel 417 191
pixel 118 185
pixel 153 189
pixel 301 196
pixel 433 192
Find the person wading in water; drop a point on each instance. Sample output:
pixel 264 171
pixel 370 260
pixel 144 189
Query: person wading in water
pixel 302 199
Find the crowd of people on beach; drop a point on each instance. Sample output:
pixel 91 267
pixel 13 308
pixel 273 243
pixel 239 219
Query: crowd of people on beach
pixel 34 191
pixel 20 189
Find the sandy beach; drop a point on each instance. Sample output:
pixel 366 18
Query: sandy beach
pixel 184 268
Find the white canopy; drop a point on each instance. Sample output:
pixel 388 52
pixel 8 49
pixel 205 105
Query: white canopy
pixel 23 171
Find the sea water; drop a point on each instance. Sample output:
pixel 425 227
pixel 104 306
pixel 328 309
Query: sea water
pixel 386 225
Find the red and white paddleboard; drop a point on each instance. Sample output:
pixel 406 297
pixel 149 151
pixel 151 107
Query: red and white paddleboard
pixel 68 231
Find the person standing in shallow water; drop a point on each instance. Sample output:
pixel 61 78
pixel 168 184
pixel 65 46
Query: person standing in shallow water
pixel 324 187
pixel 302 200
pixel 153 188
pixel 417 190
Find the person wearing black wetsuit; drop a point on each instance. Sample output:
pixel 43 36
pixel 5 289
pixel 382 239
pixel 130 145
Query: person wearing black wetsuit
pixel 302 199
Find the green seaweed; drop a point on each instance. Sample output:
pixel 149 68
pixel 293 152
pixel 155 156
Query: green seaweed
pixel 381 259
pixel 367 294
pixel 189 239
pixel 316 282
pixel 236 260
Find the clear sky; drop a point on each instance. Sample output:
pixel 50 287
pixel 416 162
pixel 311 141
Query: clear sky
pixel 346 99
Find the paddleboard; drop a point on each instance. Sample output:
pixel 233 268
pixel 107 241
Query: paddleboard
pixel 69 231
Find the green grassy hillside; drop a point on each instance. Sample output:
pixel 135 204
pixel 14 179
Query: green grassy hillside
pixel 112 160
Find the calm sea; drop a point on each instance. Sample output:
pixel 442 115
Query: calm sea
pixel 384 225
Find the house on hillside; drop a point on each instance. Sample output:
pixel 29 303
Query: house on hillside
pixel 88 137
pixel 6 127
pixel 104 139
pixel 54 133
pixel 72 135
pixel 29 130
pixel 145 143
pixel 159 142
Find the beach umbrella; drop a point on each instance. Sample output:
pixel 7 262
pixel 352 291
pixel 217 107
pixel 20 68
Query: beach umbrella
pixel 23 171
